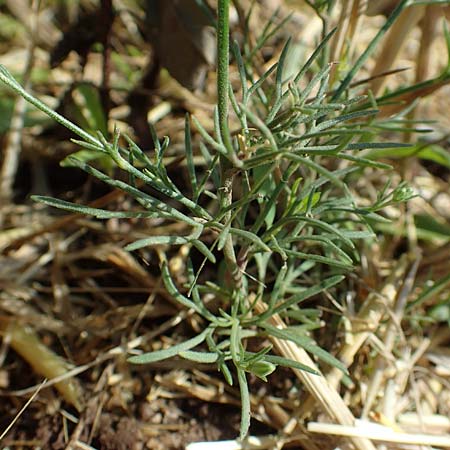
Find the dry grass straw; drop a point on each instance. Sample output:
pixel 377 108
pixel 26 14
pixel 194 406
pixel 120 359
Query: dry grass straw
pixel 393 330
pixel 395 39
pixel 12 150
pixel 368 319
pixel 17 416
pixel 350 19
pixel 379 433
pixel 429 20
pixel 325 395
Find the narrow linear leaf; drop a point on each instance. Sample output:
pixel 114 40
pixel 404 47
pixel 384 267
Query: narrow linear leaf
pixel 204 250
pixel 210 172
pixel 331 150
pixel 180 298
pixel 267 156
pixel 318 79
pixel 377 145
pixel 241 67
pixel 204 134
pixel 317 51
pixel 245 403
pixel 320 259
pixel 190 157
pixel 286 362
pixel 317 224
pixel 96 212
pixel 235 341
pixel 331 176
pixel 200 357
pixel 307 293
pixel 251 237
pixel 306 344
pixel 138 153
pixel 88 146
pixel 159 355
pixel 343 118
pixel 278 101
pixel 262 127
pixel 270 203
pixel 365 162
pixel 144 199
pixel 279 286
pixel 9 80
pixel 226 373
pixel 156 240
pixel 250 357
pixel 255 87
pixel 353 235
pixel 163 184
pixel 223 236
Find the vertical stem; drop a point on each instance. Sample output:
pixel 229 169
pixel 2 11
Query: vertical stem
pixel 226 163
pixel 223 60
pixel 223 56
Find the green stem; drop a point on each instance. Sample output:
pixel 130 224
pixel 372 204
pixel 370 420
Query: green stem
pixel 226 163
pixel 223 56
pixel 223 61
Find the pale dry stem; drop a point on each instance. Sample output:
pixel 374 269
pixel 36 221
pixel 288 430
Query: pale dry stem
pixel 326 396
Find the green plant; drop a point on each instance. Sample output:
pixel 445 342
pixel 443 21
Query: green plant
pixel 280 208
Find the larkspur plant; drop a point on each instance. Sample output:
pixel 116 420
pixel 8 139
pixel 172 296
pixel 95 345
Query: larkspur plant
pixel 290 233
